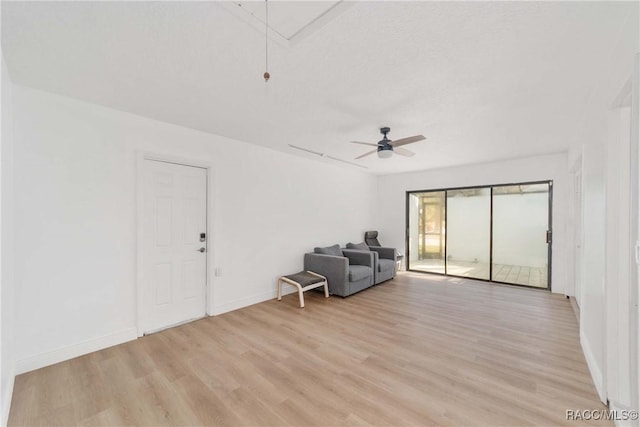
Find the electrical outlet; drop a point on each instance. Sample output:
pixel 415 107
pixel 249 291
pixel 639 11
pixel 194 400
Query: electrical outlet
pixel 217 272
pixel 637 251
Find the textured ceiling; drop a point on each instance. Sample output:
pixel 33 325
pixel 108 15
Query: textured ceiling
pixel 481 80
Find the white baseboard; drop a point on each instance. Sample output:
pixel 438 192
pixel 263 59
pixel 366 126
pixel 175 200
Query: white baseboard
pixel 617 409
pixel 6 402
pixel 596 373
pixel 247 301
pixel 65 353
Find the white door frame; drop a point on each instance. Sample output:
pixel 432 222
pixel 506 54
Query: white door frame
pixel 141 157
pixel 576 240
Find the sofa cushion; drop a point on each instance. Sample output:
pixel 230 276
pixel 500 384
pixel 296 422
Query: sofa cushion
pixel 359 272
pixel 386 264
pixel 358 246
pixel 329 250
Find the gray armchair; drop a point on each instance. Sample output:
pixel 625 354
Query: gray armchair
pixel 347 271
pixel 384 260
pixel 371 239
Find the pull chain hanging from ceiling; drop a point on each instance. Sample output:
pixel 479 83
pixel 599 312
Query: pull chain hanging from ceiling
pixel 266 42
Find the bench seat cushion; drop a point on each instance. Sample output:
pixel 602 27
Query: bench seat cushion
pixel 304 279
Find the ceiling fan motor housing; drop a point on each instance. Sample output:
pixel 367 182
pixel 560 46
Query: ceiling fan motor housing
pixel 384 141
pixel 385 149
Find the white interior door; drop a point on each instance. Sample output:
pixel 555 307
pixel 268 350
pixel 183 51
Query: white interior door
pixel 174 239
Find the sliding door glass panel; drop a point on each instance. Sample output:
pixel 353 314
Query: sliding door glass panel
pixel 520 225
pixel 426 231
pixel 469 232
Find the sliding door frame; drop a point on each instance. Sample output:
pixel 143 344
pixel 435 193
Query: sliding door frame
pixel 408 195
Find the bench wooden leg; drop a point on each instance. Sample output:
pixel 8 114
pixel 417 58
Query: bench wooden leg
pixel 279 290
pixel 300 295
pixel 326 289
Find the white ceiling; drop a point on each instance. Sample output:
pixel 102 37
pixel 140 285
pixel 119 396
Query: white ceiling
pixel 481 80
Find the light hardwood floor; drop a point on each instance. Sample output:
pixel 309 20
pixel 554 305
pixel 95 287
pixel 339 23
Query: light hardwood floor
pixel 516 274
pixel 418 350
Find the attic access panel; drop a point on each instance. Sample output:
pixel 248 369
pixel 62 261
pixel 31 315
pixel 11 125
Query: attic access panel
pixel 289 21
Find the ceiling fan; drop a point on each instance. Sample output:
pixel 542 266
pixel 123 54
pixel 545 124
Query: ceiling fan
pixel 385 147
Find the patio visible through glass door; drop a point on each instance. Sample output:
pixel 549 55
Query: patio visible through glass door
pixel 427 240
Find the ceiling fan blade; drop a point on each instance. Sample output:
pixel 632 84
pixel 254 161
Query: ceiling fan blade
pixel 364 143
pixel 366 154
pixel 403 152
pixel 405 141
pixel 348 162
pixel 307 150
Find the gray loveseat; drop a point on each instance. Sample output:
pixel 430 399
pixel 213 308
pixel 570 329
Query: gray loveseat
pixel 347 271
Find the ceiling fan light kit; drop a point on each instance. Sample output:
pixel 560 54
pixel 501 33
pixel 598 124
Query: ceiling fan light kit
pixel 384 152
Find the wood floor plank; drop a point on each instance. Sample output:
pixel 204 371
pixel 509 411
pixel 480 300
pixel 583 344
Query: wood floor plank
pixel 417 350
pixel 519 275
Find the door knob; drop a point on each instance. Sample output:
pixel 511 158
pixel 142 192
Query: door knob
pixel 201 250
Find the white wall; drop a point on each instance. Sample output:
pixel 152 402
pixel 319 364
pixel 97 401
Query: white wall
pixel 7 372
pixel 392 188
pixel 520 222
pixel 634 272
pixel 616 72
pixel 593 259
pixel 618 262
pixel 469 228
pixel 75 215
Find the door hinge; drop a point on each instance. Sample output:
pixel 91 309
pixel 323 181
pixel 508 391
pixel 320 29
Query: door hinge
pixel 637 251
pixel 548 236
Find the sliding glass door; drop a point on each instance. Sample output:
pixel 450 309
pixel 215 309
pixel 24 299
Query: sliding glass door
pixel 520 225
pixel 499 233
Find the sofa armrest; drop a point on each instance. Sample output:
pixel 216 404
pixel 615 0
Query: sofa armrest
pixel 357 257
pixel 385 253
pixel 334 268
